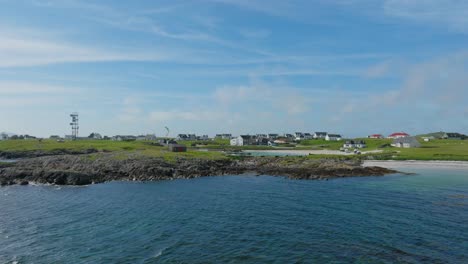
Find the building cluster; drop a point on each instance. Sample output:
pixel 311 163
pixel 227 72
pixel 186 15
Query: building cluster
pixel 192 137
pixel 277 139
pixel 400 139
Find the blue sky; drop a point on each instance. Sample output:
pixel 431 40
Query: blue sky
pixel 353 67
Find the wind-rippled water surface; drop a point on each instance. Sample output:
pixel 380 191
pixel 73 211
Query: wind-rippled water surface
pixel 240 219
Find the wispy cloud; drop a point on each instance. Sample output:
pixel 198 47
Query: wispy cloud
pixel 255 33
pixel 451 14
pixel 25 88
pixel 18 50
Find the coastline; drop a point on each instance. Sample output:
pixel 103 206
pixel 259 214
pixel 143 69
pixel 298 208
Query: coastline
pixel 309 152
pixel 88 169
pixel 426 164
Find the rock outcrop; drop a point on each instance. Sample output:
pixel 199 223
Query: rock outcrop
pixel 102 167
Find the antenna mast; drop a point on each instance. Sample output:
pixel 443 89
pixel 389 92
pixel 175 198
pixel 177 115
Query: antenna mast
pixel 74 125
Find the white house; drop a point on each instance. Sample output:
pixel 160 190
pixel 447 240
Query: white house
pixel 354 144
pixel 223 136
pixel 406 142
pixel 186 137
pixel 243 140
pixel 203 137
pixel 141 138
pixel 299 135
pixel 333 137
pixel 124 138
pixel 273 136
pixel 320 135
pixel 4 136
pixel 308 136
pixel 95 136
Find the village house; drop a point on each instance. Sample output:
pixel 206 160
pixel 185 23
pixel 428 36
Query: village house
pixel 273 136
pixel 289 136
pixel 223 136
pixel 124 138
pixel 354 144
pixel 26 137
pixel 406 142
pixel 263 141
pixel 182 137
pixel 299 136
pixel 244 140
pixel 376 136
pixel 262 136
pixel 333 137
pixel 166 141
pixel 399 135
pixel 177 148
pixel 203 137
pixel 186 137
pixel 141 138
pixel 96 136
pixel 4 136
pixel 308 136
pixel 150 137
pixel 283 140
pixel 453 136
pixel 320 135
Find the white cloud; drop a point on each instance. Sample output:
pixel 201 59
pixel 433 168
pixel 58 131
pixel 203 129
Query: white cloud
pixel 377 70
pixel 25 88
pixel 452 14
pixel 18 50
pixel 158 116
pixel 255 33
pixel 282 97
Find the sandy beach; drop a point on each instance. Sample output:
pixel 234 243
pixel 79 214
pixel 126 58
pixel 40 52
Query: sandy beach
pixel 430 164
pixel 308 152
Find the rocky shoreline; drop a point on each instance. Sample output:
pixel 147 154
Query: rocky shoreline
pixel 104 167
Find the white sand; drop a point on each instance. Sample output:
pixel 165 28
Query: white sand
pixel 309 152
pixel 395 164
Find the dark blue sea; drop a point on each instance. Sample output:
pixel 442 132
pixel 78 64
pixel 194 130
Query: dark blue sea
pixel 241 219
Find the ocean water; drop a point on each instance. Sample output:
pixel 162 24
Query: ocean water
pixel 241 219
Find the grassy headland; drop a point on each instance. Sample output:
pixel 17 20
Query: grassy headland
pixel 432 150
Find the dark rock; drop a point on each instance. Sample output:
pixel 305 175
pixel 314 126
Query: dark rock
pixel 80 170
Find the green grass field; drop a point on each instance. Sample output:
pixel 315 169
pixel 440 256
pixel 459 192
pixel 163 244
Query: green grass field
pixel 124 148
pixel 433 150
pixel 442 149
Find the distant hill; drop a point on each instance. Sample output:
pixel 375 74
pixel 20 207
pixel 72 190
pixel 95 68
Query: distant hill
pixel 434 134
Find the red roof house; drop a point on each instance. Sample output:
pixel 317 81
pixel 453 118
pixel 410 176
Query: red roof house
pixel 399 135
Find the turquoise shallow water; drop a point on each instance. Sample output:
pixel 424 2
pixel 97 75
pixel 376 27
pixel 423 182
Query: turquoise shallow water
pixel 240 219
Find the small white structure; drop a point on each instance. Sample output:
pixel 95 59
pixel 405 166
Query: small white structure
pixel 406 142
pixel 333 137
